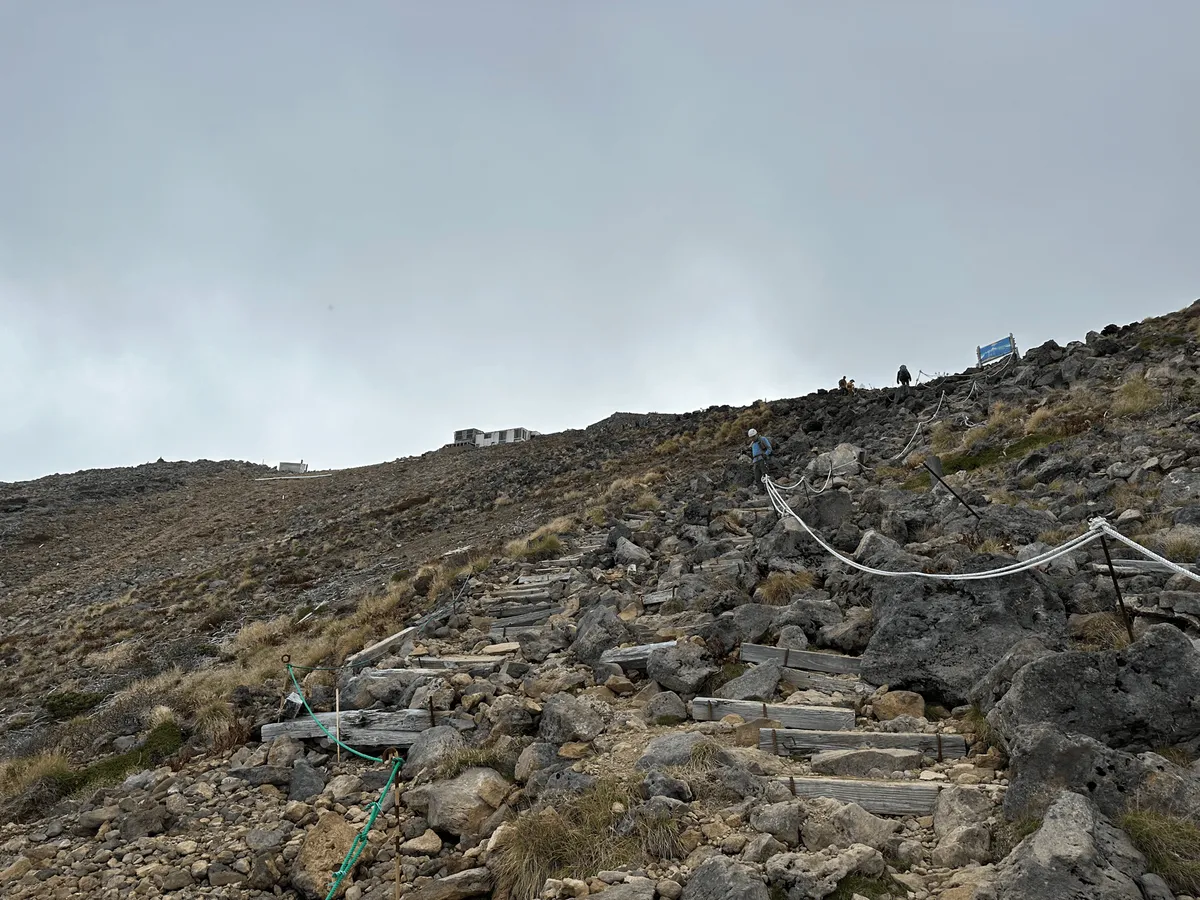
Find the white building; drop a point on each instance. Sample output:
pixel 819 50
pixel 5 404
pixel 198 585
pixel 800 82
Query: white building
pixel 477 438
pixel 297 468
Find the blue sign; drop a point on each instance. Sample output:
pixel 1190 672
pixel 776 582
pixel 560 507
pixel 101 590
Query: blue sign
pixel 998 350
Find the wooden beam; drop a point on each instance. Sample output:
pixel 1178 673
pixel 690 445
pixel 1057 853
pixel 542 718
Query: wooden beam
pixel 833 663
pixel 543 578
pixel 826 684
pixel 508 610
pixel 793 742
pixel 886 798
pixel 359 727
pixel 654 598
pixel 454 662
pixel 633 657
pixel 825 718
pixel 536 617
pixel 393 644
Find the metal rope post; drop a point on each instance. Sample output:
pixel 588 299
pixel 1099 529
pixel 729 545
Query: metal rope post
pixel 1116 586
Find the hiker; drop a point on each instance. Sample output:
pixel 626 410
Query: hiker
pixel 760 452
pixel 842 384
pixel 903 379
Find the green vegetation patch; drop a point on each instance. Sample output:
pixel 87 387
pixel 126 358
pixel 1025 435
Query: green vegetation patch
pixel 71 703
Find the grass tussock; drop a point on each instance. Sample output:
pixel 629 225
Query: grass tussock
pixel 1180 756
pixel 779 587
pixel 576 837
pixel 1136 397
pixel 67 704
pixel 1075 413
pixel 1182 544
pixel 647 502
pixel 596 516
pixel 976 720
pixel 535 549
pixel 458 761
pixel 1171 845
pixel 1101 631
pixel 1007 835
pixel 879 888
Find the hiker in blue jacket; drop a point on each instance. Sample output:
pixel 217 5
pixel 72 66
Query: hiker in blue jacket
pixel 760 452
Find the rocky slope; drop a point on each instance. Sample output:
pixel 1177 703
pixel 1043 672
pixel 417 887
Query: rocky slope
pixel 637 679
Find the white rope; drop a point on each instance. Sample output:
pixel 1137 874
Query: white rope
pixel 1093 533
pixel 1129 542
pixel 920 422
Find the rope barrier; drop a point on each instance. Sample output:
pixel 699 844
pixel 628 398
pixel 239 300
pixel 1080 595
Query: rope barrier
pixel 360 841
pixel 1097 527
pixel 313 715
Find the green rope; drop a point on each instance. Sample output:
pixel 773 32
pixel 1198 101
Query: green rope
pixel 300 691
pixel 360 842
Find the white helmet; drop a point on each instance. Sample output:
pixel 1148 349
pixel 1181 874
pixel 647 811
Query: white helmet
pixel 752 433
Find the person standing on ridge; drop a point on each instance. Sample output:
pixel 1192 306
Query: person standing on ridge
pixel 760 452
pixel 903 379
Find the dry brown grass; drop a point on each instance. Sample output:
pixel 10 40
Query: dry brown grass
pixel 1182 544
pixel 647 502
pixel 1135 397
pixel 1102 631
pixel 535 549
pixel 576 837
pixel 1171 845
pixel 778 587
pixel 1074 414
pixel 18 774
pixel 1004 422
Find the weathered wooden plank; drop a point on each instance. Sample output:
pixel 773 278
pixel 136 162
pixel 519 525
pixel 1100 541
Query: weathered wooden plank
pixel 508 610
pixel 543 578
pixel 886 798
pixel 513 632
pixel 826 684
pixel 633 657
pixel 499 649
pixel 380 649
pixel 528 595
pixel 808 660
pixel 823 718
pixel 1140 567
pixel 654 598
pixel 531 618
pixel 564 562
pixel 454 662
pixel 359 727
pixel 793 742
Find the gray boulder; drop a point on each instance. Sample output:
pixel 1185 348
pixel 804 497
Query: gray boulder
pixel 599 629
pixel 720 878
pixel 831 823
pixel 792 637
pixel 1076 855
pixel 430 747
pixel 958 806
pixel 463 805
pixel 940 641
pixel 842 460
pixel 1144 696
pixel 863 762
pixel 569 718
pixel 780 820
pixel 993 685
pixel 682 668
pixel 1045 761
pixel 629 553
pixel 665 708
pixel 677 749
pixel 851 635
pixel 1180 488
pixel 758 683
pixel 633 889
pixel 148 819
pixel 753 621
pixel 660 784
pixel 306 783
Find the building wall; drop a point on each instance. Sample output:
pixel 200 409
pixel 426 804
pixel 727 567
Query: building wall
pixel 492 438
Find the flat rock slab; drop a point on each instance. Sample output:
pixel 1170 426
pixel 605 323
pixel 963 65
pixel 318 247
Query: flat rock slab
pixel 861 762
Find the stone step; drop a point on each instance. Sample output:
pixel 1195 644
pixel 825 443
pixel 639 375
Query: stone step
pixel 543 578
pixel 884 798
pixel 654 598
pixel 634 657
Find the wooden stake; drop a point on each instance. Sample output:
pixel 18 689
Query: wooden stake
pixel 397 787
pixel 337 721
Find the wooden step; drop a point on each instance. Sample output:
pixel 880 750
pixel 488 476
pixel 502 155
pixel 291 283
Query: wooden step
pixel 393 644
pixel 508 610
pixel 518 592
pixel 825 718
pixel 463 661
pixel 633 657
pixel 827 684
pixel 535 617
pixel 793 742
pixel 514 632
pixel 358 727
pixel 654 598
pixel 543 578
pixel 564 562
pixel 806 660
pixel 884 798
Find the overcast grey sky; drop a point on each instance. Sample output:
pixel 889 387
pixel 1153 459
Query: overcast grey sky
pixel 339 231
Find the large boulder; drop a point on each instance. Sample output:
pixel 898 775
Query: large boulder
pixel 940 639
pixel 569 718
pixel 815 875
pixel 720 878
pixel 842 460
pixel 463 805
pixel 811 611
pixel 1077 854
pixel 459 886
pixel 682 668
pixel 988 690
pixel 430 747
pixel 1144 696
pixel 758 683
pixel 831 823
pixel 599 629
pixel 629 553
pixel 1044 761
pixel 676 749
pixel 323 850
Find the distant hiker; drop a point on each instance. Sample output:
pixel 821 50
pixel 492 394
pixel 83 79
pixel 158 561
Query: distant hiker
pixel 760 452
pixel 903 379
pixel 842 385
